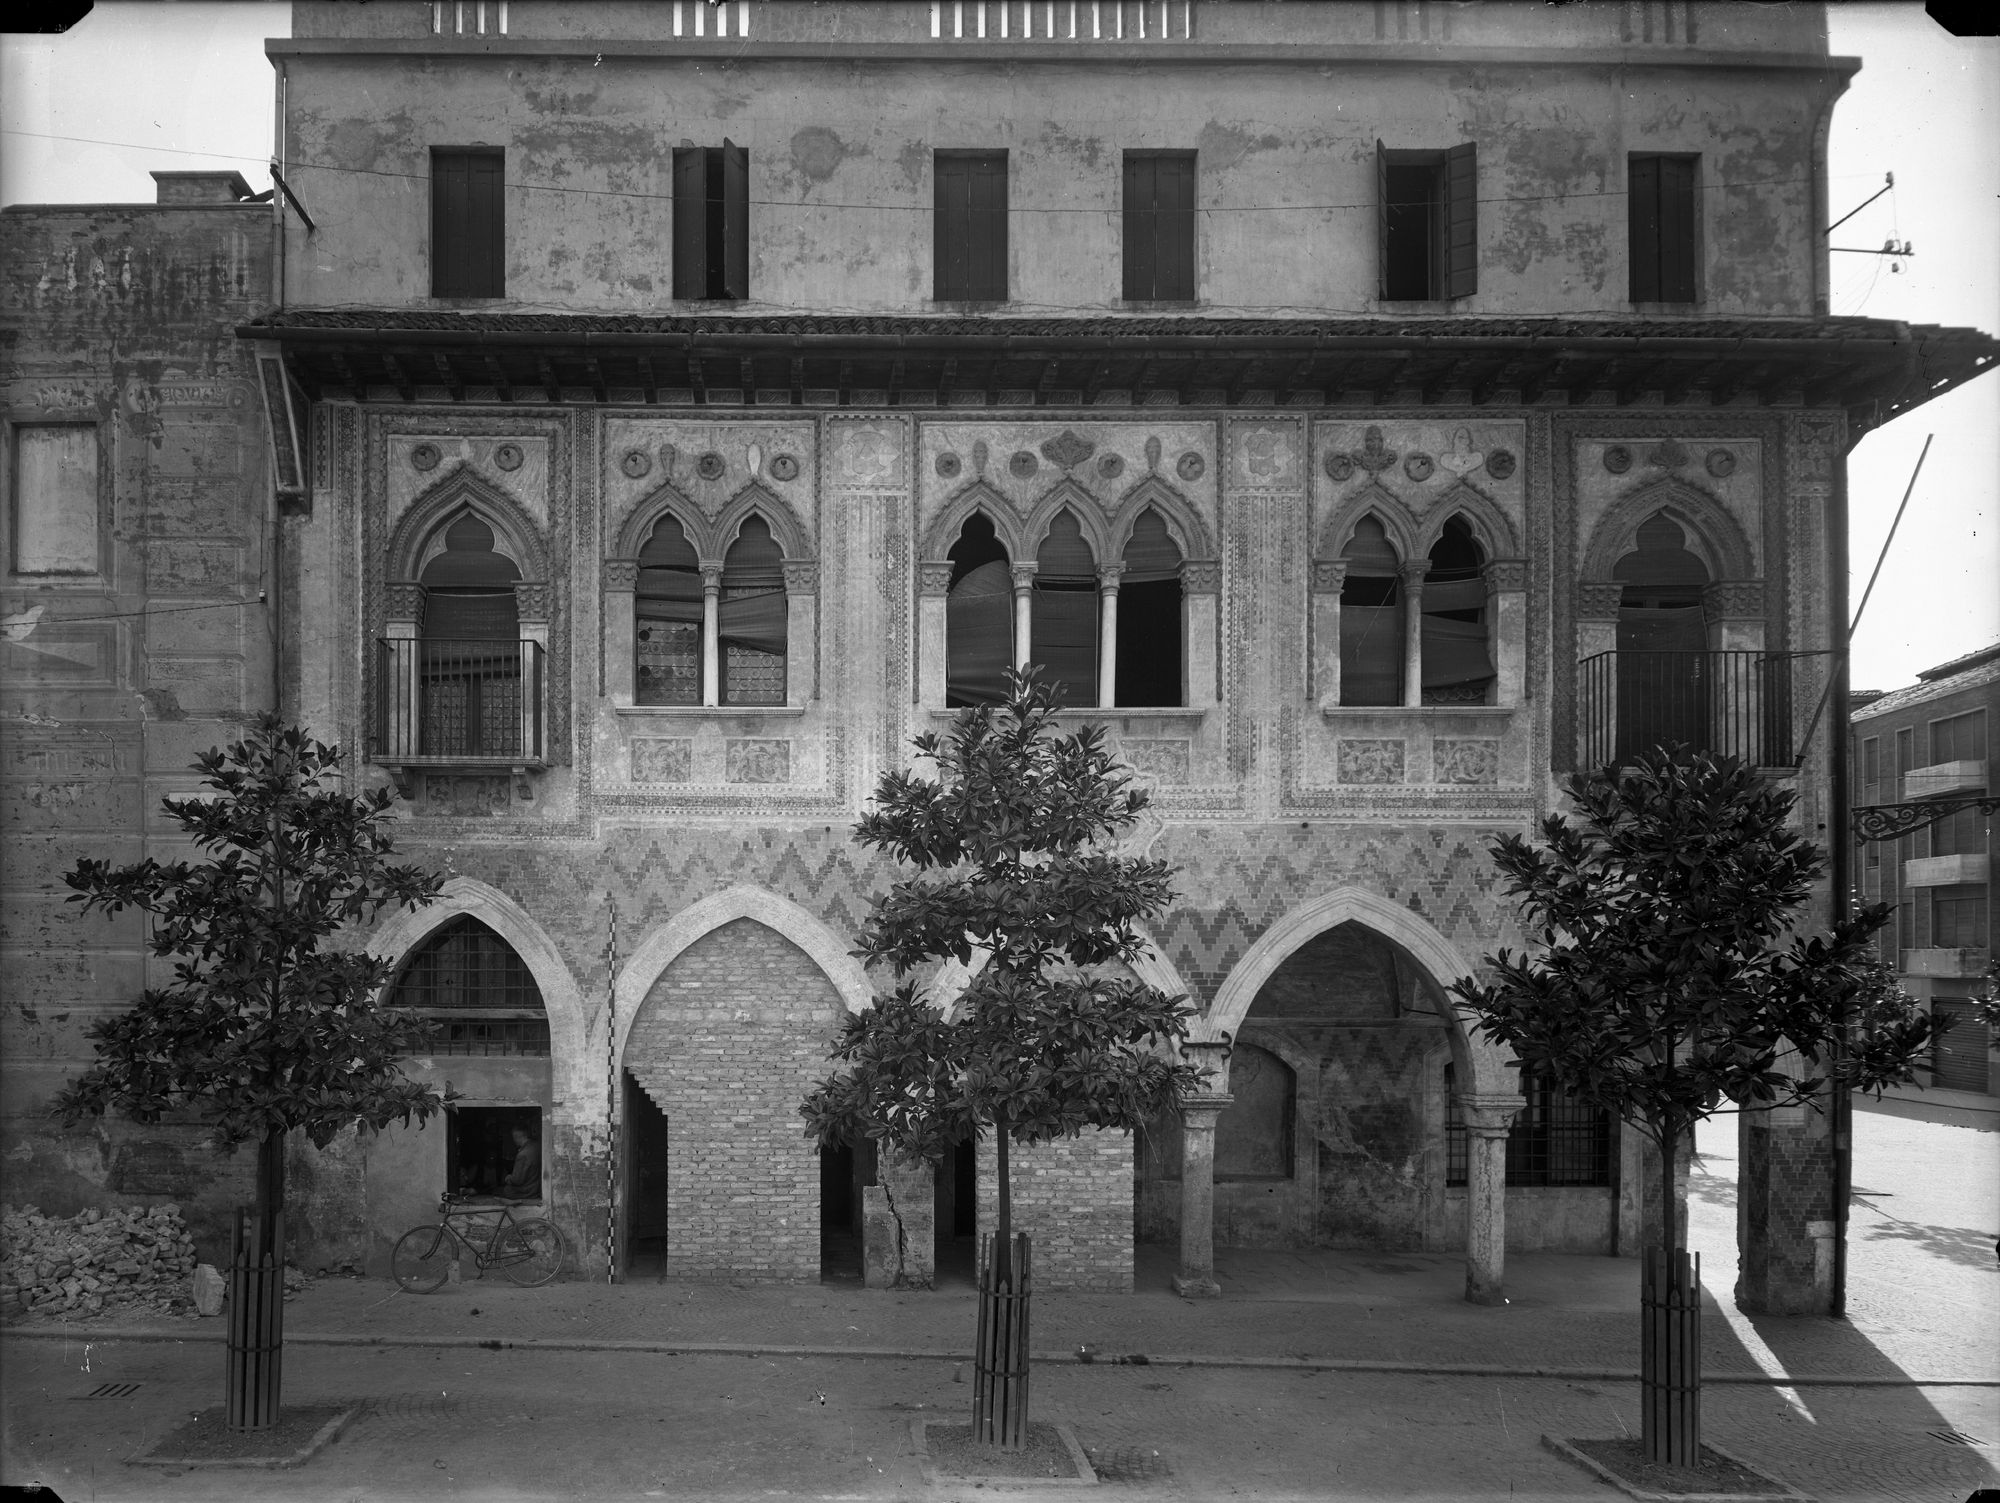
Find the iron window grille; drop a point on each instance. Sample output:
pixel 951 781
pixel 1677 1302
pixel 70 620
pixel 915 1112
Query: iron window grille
pixel 476 993
pixel 1555 1140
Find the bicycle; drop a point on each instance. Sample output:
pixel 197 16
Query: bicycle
pixel 529 1252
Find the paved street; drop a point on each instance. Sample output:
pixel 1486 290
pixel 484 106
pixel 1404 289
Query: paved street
pixel 591 1392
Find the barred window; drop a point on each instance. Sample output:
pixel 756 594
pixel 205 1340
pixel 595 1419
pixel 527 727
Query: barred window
pixel 1555 1139
pixel 477 993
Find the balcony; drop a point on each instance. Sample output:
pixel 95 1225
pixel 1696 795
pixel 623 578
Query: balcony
pixel 1942 778
pixel 1945 964
pixel 450 704
pixel 1944 871
pixel 1739 704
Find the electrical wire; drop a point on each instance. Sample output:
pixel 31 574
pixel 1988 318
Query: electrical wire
pixel 158 610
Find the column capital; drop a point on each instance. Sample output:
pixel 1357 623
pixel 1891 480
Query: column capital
pixel 1202 576
pixel 1207 1104
pixel 1506 576
pixel 1024 575
pixel 403 600
pixel 532 599
pixel 1108 576
pixel 621 574
pixel 1211 1057
pixel 801 576
pixel 1413 571
pixel 1490 1114
pixel 1329 575
pixel 1734 600
pixel 934 576
pixel 1598 599
pixel 711 578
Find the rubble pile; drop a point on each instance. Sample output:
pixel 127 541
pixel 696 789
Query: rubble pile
pixel 137 1256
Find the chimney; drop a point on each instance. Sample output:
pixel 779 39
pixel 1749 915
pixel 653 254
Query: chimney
pixel 201 187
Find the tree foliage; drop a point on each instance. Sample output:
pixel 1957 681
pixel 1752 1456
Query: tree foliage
pixel 262 1028
pixel 1010 845
pixel 1665 978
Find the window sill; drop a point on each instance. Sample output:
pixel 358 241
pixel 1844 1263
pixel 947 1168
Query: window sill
pixel 704 712
pixel 1422 712
pixel 1692 305
pixel 1087 715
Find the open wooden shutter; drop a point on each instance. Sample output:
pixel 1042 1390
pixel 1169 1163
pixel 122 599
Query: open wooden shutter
pixel 1174 237
pixel 1381 220
pixel 1642 194
pixel 1141 221
pixel 735 220
pixel 1677 229
pixel 951 233
pixel 1461 221
pixel 989 229
pixel 690 222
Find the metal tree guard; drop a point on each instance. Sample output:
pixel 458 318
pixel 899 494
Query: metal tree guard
pixel 1670 1356
pixel 1000 1361
pixel 256 1319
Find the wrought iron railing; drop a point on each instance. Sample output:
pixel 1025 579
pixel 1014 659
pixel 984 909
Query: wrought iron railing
pixel 1742 704
pixel 454 702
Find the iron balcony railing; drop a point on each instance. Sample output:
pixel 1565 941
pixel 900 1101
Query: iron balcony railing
pixel 456 702
pixel 1742 704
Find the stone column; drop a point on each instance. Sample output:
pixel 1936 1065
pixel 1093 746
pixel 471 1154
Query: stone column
pixel 1201 602
pixel 1597 604
pixel 534 608
pixel 1199 1111
pixel 933 582
pixel 1024 614
pixel 1107 634
pixel 1328 577
pixel 899 1224
pixel 1412 575
pixel 1487 1121
pixel 801 630
pixel 399 694
pixel 1507 628
pixel 618 623
pixel 711 634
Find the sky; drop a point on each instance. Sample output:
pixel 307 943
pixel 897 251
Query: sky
pixel 186 86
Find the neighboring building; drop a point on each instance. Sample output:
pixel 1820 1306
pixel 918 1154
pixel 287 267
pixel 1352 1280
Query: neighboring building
pixel 1368 413
pixel 1930 742
pixel 137 604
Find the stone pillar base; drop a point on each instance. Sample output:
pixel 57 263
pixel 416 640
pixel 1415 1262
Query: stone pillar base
pixel 1188 1288
pixel 1480 1292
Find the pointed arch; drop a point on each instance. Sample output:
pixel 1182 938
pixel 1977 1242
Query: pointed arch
pixel 1492 527
pixel 1184 523
pixel 947 985
pixel 663 944
pixel 1066 494
pixel 572 1048
pixel 643 518
pixel 1714 536
pixel 515 533
pixel 1388 509
pixel 753 499
pixel 978 496
pixel 1483 1061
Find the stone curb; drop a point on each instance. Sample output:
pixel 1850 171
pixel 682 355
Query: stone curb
pixel 1085 1475
pixel 1054 1358
pixel 1779 1493
pixel 321 1438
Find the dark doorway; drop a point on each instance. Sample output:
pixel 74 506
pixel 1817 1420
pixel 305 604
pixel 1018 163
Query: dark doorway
pixel 644 1184
pixel 957 1243
pixel 1663 660
pixel 844 1171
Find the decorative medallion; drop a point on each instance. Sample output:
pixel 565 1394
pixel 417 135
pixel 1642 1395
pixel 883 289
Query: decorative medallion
pixel 1111 466
pixel 426 456
pixel 1067 449
pixel 1419 466
pixel 1461 458
pixel 1668 454
pixel 709 466
pixel 979 456
pixel 1375 456
pixel 1152 453
pixel 635 463
pixel 948 465
pixel 1338 466
pixel 1500 463
pixel 1022 465
pixel 1617 459
pixel 1190 466
pixel 784 467
pixel 1721 463
pixel 509 456
pixel 668 455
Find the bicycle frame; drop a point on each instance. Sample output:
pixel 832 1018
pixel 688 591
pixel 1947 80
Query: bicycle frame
pixel 453 1209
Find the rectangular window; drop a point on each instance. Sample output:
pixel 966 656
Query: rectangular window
pixel 1427 223
pixel 1554 1140
pixel 1661 201
pixel 55 521
pixel 481 1151
pixel 969 238
pixel 468 222
pixel 712 222
pixel 1958 918
pixel 1906 752
pixel 1962 738
pixel 1159 226
pixel 1871 769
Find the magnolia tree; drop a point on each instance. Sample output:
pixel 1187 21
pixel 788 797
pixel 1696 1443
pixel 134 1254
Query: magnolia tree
pixel 1666 982
pixel 1011 846
pixel 263 1028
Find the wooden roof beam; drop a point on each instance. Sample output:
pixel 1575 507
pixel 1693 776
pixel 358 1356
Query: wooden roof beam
pixel 405 388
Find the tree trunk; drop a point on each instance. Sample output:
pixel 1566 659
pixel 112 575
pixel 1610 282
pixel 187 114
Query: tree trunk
pixel 1003 1217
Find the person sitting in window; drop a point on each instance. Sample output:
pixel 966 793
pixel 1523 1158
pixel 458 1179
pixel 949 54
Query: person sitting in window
pixel 524 1182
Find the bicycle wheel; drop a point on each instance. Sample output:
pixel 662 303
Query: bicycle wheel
pixel 530 1252
pixel 423 1258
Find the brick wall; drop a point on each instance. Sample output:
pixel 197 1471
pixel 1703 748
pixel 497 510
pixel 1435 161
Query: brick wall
pixel 728 1041
pixel 1074 1197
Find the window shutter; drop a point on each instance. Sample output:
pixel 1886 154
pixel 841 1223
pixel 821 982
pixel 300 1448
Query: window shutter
pixel 1381 220
pixel 1175 238
pixel 1677 226
pixel 1461 221
pixel 690 222
pixel 448 204
pixel 735 219
pixel 950 231
pixel 1642 192
pixel 488 239
pixel 1141 222
pixel 989 229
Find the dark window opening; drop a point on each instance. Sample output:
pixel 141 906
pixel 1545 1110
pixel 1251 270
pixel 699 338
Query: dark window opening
pixel 1958 918
pixel 979 617
pixel 1371 619
pixel 1663 223
pixel 667 619
pixel 1663 695
pixel 1063 612
pixel 1159 226
pixel 1961 738
pixel 712 222
pixel 468 223
pixel 481 1154
pixel 1152 637
pixel 1555 1139
pixel 1428 223
pixel 751 618
pixel 471 682
pixel 1458 653
pixel 1254 1133
pixel 475 991
pixel 969 244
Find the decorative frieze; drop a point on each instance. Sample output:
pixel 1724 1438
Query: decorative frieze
pixel 1359 760
pixel 662 759
pixel 756 760
pixel 1467 760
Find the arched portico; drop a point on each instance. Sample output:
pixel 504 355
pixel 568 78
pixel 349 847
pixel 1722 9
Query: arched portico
pixel 1488 1104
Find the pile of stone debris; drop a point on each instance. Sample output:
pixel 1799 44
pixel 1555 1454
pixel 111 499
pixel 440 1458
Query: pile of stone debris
pixel 133 1257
